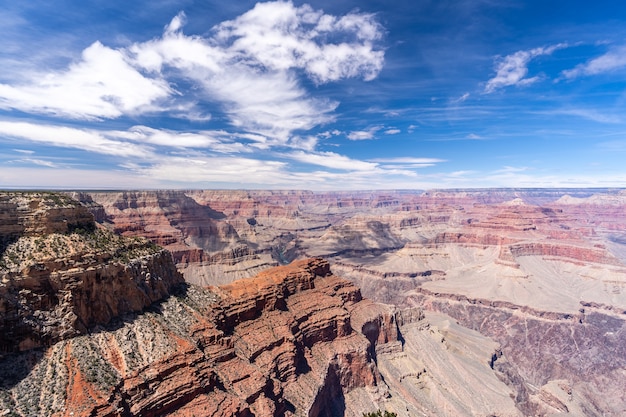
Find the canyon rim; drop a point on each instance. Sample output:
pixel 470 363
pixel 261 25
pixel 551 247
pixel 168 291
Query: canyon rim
pixel 499 302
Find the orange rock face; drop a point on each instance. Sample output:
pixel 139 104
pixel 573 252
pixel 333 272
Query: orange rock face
pixel 524 250
pixel 168 218
pixel 291 341
pixel 59 276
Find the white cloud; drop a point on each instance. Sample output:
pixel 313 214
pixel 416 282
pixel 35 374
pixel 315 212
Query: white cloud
pixel 136 142
pixel 392 131
pixel 462 98
pixel 513 69
pixel 218 141
pixel 193 54
pixel 252 67
pixel 407 162
pixel 329 134
pixel 332 160
pixel 279 36
pixel 226 170
pixel 364 134
pixel 85 139
pixel 272 104
pixel 611 61
pixel 473 136
pixel 589 114
pixel 69 178
pixel 39 162
pixel 101 85
pixel 307 143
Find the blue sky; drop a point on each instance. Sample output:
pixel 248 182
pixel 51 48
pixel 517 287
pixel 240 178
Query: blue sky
pixel 312 95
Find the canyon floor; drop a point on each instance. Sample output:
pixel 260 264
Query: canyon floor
pixel 500 302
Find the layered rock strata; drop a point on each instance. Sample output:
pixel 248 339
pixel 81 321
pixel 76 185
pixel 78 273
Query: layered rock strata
pixel 556 362
pixel 293 341
pixel 60 275
pixel 533 253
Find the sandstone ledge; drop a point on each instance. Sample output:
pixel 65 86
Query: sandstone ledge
pixel 292 341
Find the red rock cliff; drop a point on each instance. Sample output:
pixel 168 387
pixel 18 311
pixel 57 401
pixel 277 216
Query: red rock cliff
pixel 281 344
pixel 60 275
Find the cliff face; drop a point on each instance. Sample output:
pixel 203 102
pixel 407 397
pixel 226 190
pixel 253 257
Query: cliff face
pixel 60 275
pixel 556 362
pixel 283 343
pixel 31 214
pixel 520 257
pixel 89 325
pixel 168 218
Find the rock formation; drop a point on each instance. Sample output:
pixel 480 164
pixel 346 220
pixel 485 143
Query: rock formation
pixel 525 286
pixel 283 343
pixel 60 275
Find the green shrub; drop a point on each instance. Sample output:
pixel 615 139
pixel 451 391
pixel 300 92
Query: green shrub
pixel 380 414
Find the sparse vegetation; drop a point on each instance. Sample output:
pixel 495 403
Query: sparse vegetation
pixel 100 244
pixel 380 414
pixel 94 367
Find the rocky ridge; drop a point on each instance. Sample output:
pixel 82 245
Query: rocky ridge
pixel 60 275
pixel 295 340
pixel 526 256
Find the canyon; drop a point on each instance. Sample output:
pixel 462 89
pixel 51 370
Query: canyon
pixel 505 302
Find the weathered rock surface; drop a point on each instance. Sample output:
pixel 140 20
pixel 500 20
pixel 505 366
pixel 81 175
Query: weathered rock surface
pixel 60 276
pixel 541 254
pixel 578 358
pixel 168 218
pixel 283 343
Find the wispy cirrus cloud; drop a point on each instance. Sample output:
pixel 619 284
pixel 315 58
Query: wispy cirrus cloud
pixel 252 68
pixel 407 162
pixel 332 160
pixel 215 141
pixel 67 137
pixel 611 61
pixel 217 170
pixel 40 162
pixel 462 98
pixel 513 69
pixel 138 142
pixel 367 134
pixel 589 114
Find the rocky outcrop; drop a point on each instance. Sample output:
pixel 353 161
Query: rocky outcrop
pixel 38 213
pixel 529 253
pixel 60 275
pixel 293 341
pixel 168 218
pixel 541 347
pixel 582 254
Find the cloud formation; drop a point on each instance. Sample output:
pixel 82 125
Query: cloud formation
pixel 367 134
pixel 253 65
pixel 513 69
pixel 101 85
pixel 278 36
pixel 613 60
pixel 407 162
pixel 252 68
pixel 67 137
pixel 333 160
